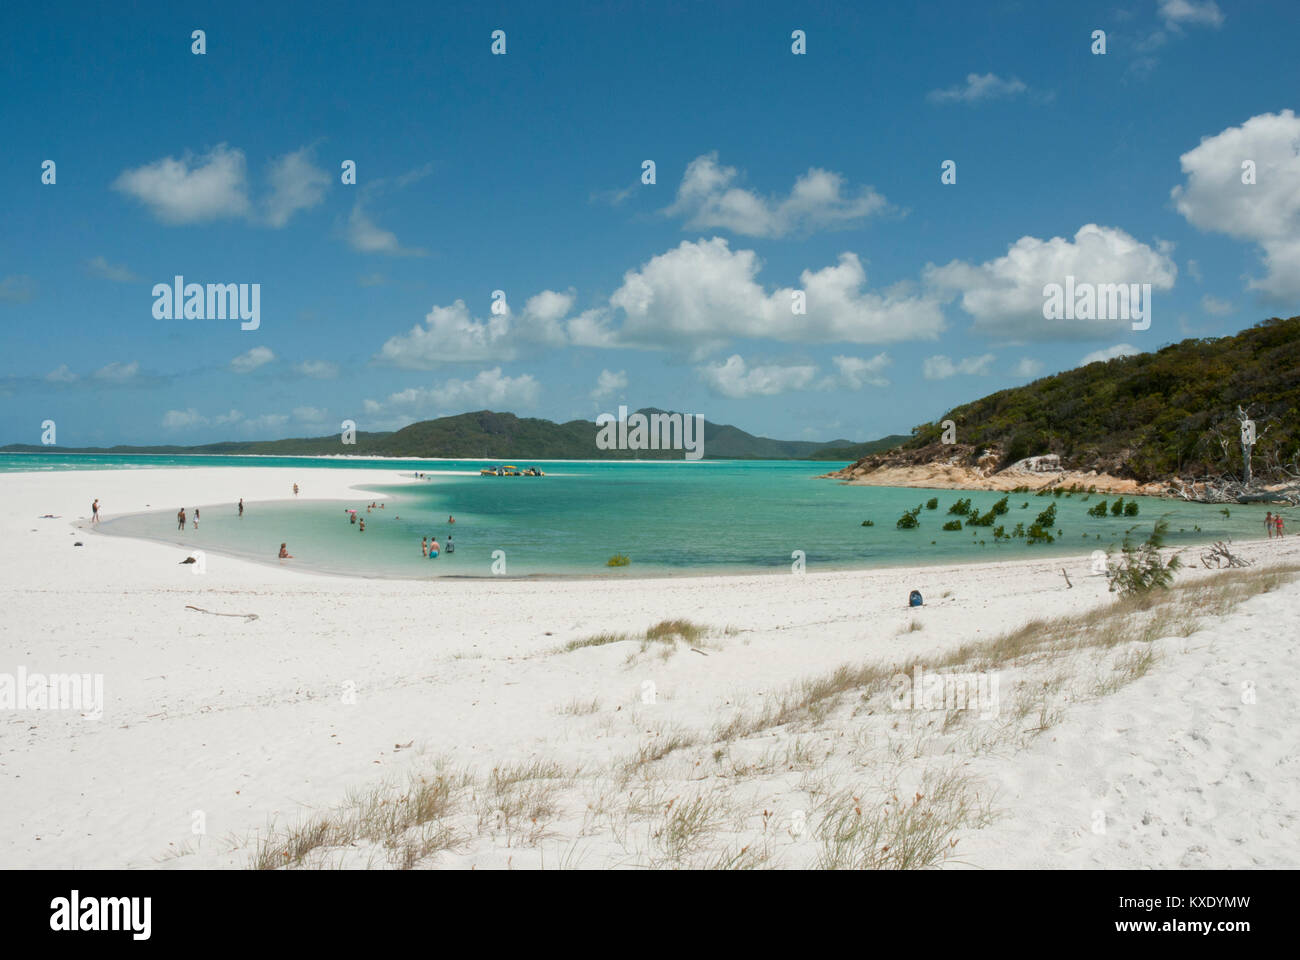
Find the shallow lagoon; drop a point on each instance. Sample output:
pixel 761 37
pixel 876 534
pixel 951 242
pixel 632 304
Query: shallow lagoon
pixel 669 518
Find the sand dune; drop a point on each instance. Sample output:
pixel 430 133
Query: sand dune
pixel 233 723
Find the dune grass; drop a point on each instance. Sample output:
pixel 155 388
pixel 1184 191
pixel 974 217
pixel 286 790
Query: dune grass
pixel 667 805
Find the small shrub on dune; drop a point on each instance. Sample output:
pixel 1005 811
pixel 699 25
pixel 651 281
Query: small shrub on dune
pixel 1140 568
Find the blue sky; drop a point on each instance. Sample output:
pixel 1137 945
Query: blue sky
pixel 775 172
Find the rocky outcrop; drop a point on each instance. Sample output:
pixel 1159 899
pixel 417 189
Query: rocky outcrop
pixel 959 467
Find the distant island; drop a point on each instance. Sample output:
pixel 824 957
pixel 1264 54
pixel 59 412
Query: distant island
pixel 1168 423
pixel 485 435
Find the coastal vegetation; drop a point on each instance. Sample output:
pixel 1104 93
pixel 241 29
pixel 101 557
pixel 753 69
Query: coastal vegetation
pixel 1175 413
pixel 1140 567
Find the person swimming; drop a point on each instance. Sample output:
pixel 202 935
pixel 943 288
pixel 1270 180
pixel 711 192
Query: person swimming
pixel 284 552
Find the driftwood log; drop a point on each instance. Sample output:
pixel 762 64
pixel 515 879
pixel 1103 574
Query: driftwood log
pixel 1219 556
pixel 1229 490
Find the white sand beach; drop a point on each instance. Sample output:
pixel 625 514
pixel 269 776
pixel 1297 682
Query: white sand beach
pixel 232 724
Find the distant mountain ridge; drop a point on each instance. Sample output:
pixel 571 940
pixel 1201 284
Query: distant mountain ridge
pixel 486 435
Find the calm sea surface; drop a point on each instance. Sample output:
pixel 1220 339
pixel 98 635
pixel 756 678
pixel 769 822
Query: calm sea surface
pixel 666 517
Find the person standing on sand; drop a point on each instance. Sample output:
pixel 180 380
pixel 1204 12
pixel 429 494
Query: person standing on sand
pixel 94 511
pixel 1277 522
pixel 180 519
pixel 196 518
pixel 295 489
pixel 1268 523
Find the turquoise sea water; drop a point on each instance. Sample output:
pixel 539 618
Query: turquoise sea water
pixel 667 517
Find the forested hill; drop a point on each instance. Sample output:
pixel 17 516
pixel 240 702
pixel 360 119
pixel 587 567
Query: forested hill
pixel 485 435
pixel 1149 417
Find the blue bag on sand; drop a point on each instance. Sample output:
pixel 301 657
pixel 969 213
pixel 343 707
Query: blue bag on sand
pixel 914 598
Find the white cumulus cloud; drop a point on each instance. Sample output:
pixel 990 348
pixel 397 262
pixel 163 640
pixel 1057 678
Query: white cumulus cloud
pixel 61 374
pixel 117 372
pixel 109 271
pixel 254 358
pixel 191 189
pixel 367 236
pixel 1216 307
pixel 1178 13
pixel 179 419
pixel 317 369
pixel 1266 212
pixel 608 384
pixel 708 199
pixel 734 378
pixel 1005 295
pixel 979 86
pixel 1028 367
pixel 940 367
pixel 450 335
pixel 489 389
pixel 1109 353
pixel 296 184
pixel 855 373
pixel 702 294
